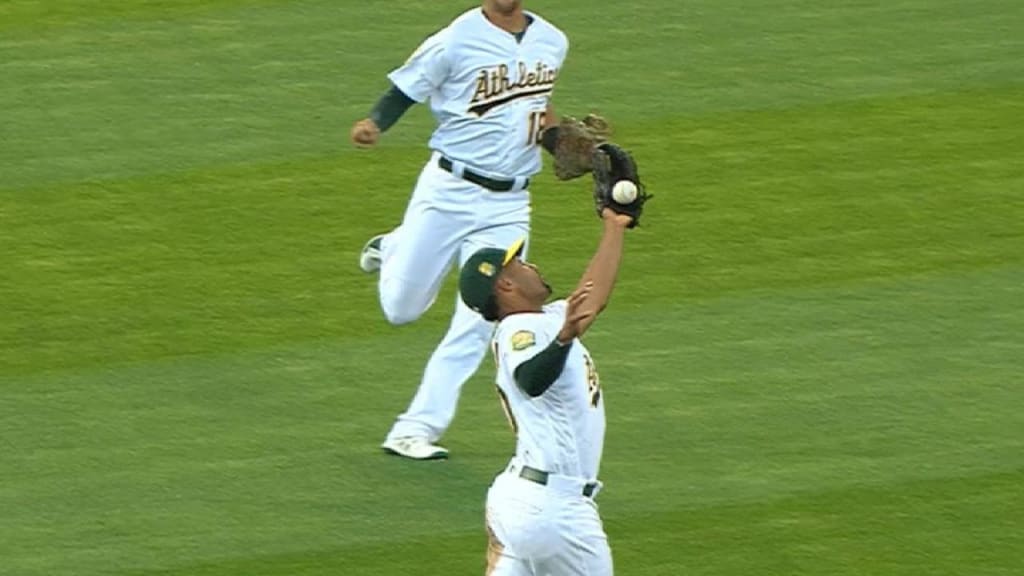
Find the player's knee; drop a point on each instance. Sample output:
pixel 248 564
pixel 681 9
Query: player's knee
pixel 397 314
pixel 399 304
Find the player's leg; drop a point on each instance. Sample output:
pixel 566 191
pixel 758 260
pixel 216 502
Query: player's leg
pixel 517 526
pixel 502 562
pixel 415 257
pixel 458 355
pixel 454 360
pixel 583 545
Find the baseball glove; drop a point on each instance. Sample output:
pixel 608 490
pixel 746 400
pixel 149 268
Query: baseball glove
pixel 612 164
pixel 575 142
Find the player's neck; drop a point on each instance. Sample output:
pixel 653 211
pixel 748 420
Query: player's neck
pixel 522 307
pixel 514 22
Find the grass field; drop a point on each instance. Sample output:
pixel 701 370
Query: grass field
pixel 813 364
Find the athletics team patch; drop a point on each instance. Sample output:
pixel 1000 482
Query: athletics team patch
pixel 523 339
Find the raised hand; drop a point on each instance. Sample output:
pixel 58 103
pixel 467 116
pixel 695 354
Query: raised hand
pixel 575 313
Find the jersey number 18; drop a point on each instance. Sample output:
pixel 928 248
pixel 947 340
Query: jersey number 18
pixel 535 125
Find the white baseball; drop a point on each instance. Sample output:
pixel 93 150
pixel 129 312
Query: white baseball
pixel 624 192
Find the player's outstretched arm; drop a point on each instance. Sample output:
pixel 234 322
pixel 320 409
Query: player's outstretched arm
pixel 536 375
pixel 604 267
pixel 389 108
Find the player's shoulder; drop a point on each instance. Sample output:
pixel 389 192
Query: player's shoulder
pixel 469 22
pixel 520 331
pixel 517 322
pixel 555 307
pixel 552 310
pixel 435 42
pixel 548 28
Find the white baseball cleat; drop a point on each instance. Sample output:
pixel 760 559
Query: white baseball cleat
pixel 415 447
pixel 369 259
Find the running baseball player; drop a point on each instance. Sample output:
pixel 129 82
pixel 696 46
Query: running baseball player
pixel 488 77
pixel 541 516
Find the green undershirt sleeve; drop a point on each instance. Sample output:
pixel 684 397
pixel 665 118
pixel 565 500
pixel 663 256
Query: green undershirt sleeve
pixel 538 373
pixel 390 108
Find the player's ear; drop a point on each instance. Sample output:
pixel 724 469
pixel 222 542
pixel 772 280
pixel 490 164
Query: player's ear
pixel 505 284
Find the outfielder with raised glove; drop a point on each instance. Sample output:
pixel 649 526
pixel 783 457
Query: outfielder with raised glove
pixel 551 392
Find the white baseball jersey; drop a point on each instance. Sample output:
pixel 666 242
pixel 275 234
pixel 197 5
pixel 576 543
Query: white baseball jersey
pixel 487 90
pixel 562 430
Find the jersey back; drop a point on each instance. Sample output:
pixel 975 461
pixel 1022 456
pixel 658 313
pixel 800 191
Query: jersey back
pixel 562 430
pixel 487 90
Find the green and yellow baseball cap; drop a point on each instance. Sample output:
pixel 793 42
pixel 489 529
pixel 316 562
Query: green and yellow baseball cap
pixel 479 274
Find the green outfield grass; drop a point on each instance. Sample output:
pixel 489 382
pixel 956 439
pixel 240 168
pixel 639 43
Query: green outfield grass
pixel 813 363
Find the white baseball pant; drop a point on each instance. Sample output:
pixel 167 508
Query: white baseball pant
pixel 544 530
pixel 446 221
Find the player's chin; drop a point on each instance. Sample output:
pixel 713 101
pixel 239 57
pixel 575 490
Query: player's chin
pixel 547 288
pixel 507 6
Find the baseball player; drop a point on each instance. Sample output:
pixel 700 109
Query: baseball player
pixel 541 516
pixel 488 77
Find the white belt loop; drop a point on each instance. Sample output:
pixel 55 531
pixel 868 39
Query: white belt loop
pixel 458 168
pixel 520 183
pixel 514 465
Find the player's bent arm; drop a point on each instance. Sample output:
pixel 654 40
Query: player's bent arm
pixel 391 106
pixel 604 267
pixel 537 374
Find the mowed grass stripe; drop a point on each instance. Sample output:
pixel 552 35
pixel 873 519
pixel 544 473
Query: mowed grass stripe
pixel 255 256
pixel 187 86
pixel 750 399
pixel 836 532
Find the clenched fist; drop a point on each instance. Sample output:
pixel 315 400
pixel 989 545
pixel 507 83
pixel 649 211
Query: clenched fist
pixel 365 133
